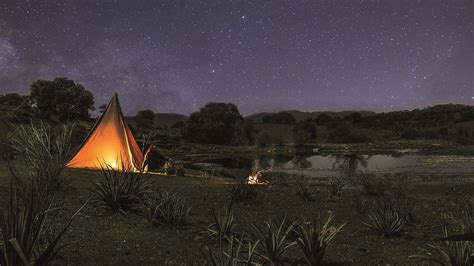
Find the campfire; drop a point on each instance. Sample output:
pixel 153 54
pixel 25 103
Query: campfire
pixel 255 178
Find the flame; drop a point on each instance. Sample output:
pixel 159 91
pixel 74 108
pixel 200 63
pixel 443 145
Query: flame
pixel 255 178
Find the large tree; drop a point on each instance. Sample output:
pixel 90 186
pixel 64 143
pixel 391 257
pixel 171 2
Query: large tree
pixel 217 123
pixel 61 100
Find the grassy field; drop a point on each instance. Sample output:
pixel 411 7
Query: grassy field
pixel 111 239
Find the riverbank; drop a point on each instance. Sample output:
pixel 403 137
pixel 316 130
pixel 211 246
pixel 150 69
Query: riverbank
pixel 120 239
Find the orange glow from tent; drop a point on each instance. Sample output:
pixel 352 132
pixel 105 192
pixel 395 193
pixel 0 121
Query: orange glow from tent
pixel 110 143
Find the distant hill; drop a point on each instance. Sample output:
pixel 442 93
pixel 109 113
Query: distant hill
pixel 299 115
pixel 162 119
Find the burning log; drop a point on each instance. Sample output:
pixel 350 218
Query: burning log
pixel 255 178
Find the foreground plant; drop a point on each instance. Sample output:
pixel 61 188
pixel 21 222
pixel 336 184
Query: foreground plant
pixel 390 215
pixel 313 239
pixel 26 219
pixel 120 190
pixel 222 224
pixel 273 241
pixel 233 255
pixel 305 191
pixel 46 150
pixel 165 208
pixel 456 253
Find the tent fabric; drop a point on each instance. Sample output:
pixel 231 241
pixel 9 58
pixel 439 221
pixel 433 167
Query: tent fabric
pixel 110 143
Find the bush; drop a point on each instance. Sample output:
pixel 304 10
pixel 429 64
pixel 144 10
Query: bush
pixel 27 220
pixel 304 190
pixel 335 187
pixel 242 191
pixel 390 215
pixel 374 185
pixel 449 253
pixel 273 241
pixel 222 226
pixel 120 190
pixel 359 203
pixel 313 239
pixel 233 255
pixel 165 208
pixel 346 133
pixel 46 150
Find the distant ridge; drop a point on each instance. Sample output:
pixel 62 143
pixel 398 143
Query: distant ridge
pixel 162 119
pixel 299 115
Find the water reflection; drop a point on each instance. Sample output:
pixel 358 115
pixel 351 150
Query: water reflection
pixel 348 165
pixel 335 165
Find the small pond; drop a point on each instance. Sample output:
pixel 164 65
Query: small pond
pixel 332 165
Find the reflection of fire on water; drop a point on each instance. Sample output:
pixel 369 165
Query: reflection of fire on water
pixel 255 178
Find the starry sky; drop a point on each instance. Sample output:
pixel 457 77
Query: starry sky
pixel 175 56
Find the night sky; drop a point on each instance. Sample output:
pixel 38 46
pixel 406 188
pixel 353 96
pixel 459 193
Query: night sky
pixel 175 56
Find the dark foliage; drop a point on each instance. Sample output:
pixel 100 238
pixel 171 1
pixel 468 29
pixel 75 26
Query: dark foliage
pixel 61 100
pixel 279 118
pixel 217 123
pixel 144 119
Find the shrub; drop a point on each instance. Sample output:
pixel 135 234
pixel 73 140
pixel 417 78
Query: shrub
pixel 359 203
pixel 46 151
pixel 462 212
pixel 165 208
pixel 233 255
pixel 374 185
pixel 273 241
pixel 242 191
pixel 120 190
pixel 335 187
pixel 222 224
pixel 347 133
pixel 455 253
pixel 26 219
pixel 390 215
pixel 304 190
pixel 313 239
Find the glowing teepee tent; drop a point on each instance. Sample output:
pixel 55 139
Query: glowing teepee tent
pixel 110 142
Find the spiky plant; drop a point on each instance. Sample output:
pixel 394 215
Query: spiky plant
pixel 233 255
pixel 222 225
pixel 313 239
pixel 120 190
pixel 46 150
pixel 25 219
pixel 273 241
pixel 305 191
pixel 449 253
pixel 390 215
pixel 165 208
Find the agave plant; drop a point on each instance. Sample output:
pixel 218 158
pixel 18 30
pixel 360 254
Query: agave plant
pixel 313 239
pixel 165 208
pixel 121 189
pixel 390 216
pixel 24 221
pixel 222 224
pixel 273 241
pixel 233 255
pixel 456 253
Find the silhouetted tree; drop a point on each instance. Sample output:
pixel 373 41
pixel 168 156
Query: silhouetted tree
pixel 216 123
pixel 322 119
pixel 61 100
pixel 144 119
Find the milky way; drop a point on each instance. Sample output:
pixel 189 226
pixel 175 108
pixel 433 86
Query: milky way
pixel 175 56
